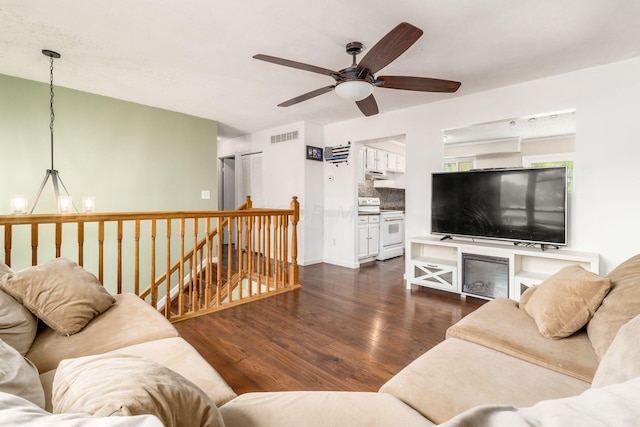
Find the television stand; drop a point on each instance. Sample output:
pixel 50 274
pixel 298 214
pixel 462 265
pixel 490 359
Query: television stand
pixel 436 263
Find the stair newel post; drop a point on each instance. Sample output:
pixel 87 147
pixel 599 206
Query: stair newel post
pixel 248 203
pixel 295 217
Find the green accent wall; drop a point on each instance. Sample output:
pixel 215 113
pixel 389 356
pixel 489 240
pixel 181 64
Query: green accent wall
pixel 130 157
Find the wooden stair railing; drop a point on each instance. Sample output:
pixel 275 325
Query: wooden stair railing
pixel 217 259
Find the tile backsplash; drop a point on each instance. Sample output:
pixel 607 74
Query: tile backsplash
pixel 390 198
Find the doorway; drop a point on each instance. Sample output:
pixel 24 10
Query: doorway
pixel 227 186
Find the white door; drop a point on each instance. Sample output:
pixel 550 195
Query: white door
pixel 227 187
pixel 251 177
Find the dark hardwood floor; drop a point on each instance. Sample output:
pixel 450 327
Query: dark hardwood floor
pixel 344 330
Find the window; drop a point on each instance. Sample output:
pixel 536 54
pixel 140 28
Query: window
pixel 459 165
pixel 552 161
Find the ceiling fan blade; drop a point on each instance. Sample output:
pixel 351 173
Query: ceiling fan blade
pixel 423 84
pixel 298 65
pixel 368 106
pixel 306 96
pixel 390 47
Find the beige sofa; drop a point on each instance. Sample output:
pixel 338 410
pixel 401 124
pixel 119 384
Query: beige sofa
pixel 495 367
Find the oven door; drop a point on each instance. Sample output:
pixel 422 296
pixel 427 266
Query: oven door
pixel 392 231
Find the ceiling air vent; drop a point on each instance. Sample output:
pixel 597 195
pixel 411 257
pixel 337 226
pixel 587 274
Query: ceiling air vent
pixel 287 136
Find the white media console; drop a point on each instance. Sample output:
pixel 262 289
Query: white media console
pixel 440 264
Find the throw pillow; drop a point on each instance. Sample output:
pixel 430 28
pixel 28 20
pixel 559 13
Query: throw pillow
pixel 621 362
pixel 19 376
pixel 16 411
pixel 4 269
pixel 108 384
pixel 565 302
pixel 619 307
pixel 59 292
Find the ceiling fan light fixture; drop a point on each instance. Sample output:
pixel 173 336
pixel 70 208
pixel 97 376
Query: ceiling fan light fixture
pixel 354 90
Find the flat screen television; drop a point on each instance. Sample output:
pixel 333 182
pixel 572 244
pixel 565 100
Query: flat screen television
pixel 526 205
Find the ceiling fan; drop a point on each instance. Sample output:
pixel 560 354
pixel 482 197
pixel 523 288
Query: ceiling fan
pixel 356 83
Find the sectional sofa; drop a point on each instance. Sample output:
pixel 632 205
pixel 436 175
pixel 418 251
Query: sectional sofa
pixel 566 355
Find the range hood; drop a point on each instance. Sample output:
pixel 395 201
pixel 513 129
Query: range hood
pixel 374 174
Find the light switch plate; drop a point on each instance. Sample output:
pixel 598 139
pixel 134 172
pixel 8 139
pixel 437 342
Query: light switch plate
pixel 205 194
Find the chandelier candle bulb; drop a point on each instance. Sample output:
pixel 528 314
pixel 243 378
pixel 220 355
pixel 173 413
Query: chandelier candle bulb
pixel 65 204
pixel 18 204
pixel 88 203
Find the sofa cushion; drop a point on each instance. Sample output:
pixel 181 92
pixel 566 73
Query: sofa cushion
pixel 16 411
pixel 179 356
pixel 18 326
pixel 565 302
pixel 60 293
pixel 620 306
pixel 457 375
pixel 109 384
pixel 615 405
pixel 319 408
pixel 129 321
pixel 501 325
pixel 19 376
pixel 621 362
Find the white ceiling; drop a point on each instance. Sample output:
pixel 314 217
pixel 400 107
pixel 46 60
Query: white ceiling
pixel 195 56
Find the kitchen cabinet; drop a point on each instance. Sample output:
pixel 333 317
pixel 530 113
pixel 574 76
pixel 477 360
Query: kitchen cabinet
pixel 368 236
pixel 394 162
pixel 374 160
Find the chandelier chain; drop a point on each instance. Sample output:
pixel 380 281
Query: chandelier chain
pixel 52 114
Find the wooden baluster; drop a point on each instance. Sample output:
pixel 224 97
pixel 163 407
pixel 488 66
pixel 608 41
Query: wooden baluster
pixel 181 301
pixel 7 244
pixel 285 250
pixel 283 260
pixel 219 262
pixel 154 290
pixel 200 270
pixel 81 243
pixel 34 244
pixel 276 251
pixel 294 275
pixel 136 261
pixel 101 251
pixel 195 286
pixel 249 257
pixel 208 264
pixel 239 255
pixel 229 259
pixel 58 239
pixel 119 267
pixel 167 297
pixel 267 251
pixel 260 254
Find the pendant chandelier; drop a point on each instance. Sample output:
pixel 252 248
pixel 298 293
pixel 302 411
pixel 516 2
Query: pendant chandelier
pixel 65 202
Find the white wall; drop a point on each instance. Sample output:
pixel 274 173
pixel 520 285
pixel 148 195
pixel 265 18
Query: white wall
pixel 605 202
pixel 286 173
